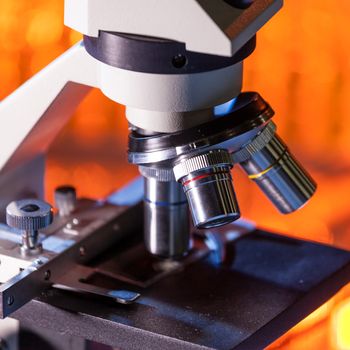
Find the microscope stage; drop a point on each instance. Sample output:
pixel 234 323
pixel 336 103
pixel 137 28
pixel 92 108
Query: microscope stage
pixel 271 283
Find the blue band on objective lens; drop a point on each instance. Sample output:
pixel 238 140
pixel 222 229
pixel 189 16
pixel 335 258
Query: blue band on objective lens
pixel 165 204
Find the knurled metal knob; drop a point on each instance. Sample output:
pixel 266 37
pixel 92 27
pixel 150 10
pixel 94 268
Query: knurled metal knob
pixel 29 214
pixel 65 199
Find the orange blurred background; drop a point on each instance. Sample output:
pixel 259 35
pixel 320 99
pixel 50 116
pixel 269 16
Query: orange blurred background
pixel 301 66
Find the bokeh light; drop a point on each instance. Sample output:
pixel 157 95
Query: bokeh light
pixel 340 326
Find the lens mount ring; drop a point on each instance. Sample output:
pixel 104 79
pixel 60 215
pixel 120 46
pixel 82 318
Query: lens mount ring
pixel 250 111
pixel 256 144
pixel 212 158
pixel 160 174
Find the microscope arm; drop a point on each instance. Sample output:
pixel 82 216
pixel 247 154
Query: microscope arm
pixel 33 115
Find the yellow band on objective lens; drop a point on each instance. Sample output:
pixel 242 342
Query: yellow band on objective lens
pixel 255 176
pixel 278 161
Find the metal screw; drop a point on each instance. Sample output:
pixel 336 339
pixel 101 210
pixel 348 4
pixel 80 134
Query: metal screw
pixel 10 300
pixel 75 221
pixel 47 275
pixel 179 61
pixel 29 216
pixel 82 251
pixel 38 262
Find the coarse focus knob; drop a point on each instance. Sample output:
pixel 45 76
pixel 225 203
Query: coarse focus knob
pixel 29 214
pixel 65 199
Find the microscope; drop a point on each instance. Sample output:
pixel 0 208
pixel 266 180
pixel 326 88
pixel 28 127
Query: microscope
pixel 166 262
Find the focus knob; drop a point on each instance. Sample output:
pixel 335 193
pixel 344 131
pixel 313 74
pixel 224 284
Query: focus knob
pixel 65 200
pixel 29 214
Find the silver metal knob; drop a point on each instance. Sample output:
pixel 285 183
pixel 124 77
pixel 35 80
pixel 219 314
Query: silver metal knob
pixel 65 200
pixel 29 216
